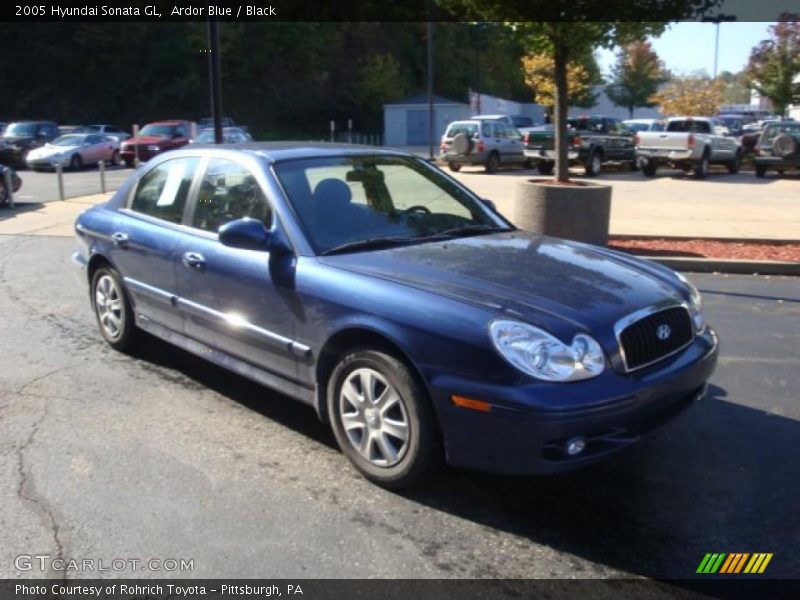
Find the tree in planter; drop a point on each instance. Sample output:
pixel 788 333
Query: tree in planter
pixel 696 95
pixel 636 76
pixel 537 22
pixel 581 78
pixel 774 66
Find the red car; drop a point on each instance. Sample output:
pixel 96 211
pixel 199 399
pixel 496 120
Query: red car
pixel 155 138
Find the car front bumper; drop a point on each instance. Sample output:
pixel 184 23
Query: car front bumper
pixel 47 163
pixel 616 411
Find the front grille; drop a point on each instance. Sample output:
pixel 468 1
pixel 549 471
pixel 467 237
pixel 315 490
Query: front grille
pixel 641 343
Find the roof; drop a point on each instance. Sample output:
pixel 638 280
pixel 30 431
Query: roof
pixel 423 100
pixel 275 151
pixel 169 122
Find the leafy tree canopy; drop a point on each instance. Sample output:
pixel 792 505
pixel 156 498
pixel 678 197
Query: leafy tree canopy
pixel 774 66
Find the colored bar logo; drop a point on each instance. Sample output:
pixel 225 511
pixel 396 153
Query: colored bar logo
pixel 733 563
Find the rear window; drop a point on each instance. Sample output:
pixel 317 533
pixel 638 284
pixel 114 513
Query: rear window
pixel 468 128
pixel 585 124
pixel 689 126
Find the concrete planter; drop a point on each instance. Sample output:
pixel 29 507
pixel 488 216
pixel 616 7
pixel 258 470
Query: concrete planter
pixel 575 211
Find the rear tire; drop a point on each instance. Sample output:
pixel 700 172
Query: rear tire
pixel 594 164
pixel 113 310
pixel 115 161
pixel 545 167
pixel 76 163
pixel 492 163
pixel 3 194
pixel 382 419
pixel 454 167
pixel 129 163
pixel 649 168
pixel 701 168
pixel 734 166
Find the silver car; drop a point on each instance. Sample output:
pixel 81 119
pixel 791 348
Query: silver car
pixel 74 151
pixel 484 142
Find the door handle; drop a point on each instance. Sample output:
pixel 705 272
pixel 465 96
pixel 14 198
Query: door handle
pixel 194 260
pixel 120 239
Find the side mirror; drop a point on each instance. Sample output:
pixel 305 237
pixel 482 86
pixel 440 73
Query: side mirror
pixel 251 234
pixel 491 205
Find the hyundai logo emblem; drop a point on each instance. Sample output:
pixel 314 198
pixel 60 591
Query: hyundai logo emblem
pixel 663 332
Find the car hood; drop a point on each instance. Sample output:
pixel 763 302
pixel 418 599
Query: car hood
pixel 543 280
pixel 50 150
pixel 145 139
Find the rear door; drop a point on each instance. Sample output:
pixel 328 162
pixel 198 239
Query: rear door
pixel 146 238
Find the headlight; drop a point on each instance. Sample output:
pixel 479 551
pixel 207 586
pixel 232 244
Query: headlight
pixel 153 148
pixel 539 354
pixel 695 303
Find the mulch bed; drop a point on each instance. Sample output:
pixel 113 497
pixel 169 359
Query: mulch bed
pixel 704 248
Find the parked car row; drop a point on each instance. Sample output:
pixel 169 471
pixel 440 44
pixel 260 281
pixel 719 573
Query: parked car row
pixel 691 144
pixel 44 144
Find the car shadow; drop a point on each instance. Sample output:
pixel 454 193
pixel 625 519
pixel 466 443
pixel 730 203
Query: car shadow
pixel 7 212
pixel 715 480
pixel 720 478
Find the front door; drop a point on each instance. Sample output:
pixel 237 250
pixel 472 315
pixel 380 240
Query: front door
pixel 228 296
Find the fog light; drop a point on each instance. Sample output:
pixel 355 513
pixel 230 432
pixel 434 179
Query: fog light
pixel 575 446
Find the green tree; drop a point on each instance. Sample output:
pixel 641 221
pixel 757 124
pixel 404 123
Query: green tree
pixel 537 22
pixel 737 87
pixel 693 95
pixel 635 76
pixel 774 66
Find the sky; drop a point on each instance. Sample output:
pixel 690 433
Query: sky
pixel 688 47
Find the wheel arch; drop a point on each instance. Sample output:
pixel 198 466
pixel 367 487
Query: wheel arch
pixel 348 338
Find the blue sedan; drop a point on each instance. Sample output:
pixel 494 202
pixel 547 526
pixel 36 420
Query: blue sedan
pixel 405 310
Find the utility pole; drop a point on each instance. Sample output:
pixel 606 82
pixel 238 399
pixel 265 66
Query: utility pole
pixel 216 79
pixel 431 123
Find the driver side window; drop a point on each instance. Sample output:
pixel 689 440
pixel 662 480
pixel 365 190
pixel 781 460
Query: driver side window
pixel 228 191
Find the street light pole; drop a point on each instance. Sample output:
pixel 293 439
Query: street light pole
pixel 430 84
pixel 717 20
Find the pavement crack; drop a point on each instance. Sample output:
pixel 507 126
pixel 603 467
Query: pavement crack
pixel 22 390
pixel 26 491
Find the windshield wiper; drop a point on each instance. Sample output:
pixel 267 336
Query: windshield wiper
pixel 371 244
pixel 468 230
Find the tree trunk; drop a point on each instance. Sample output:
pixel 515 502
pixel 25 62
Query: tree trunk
pixel 561 58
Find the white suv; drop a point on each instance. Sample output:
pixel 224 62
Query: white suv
pixel 486 142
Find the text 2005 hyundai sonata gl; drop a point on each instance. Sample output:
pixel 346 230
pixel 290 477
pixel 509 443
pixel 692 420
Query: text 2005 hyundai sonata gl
pixel 407 312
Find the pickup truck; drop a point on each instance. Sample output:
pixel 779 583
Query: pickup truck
pixel 687 143
pixel 594 141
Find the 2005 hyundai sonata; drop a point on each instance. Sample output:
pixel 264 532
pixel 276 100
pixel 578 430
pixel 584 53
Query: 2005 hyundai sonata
pixel 414 318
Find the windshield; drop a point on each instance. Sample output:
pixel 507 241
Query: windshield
pixel 163 131
pixel 21 130
pixel 772 130
pixel 69 140
pixel 351 199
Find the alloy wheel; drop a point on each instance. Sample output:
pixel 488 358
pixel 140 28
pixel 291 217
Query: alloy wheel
pixel 374 417
pixel 109 306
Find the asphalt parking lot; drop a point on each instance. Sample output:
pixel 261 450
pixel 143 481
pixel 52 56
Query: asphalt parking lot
pixel 162 455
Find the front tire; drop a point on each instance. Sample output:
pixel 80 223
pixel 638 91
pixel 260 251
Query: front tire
pixel 545 168
pixel 113 310
pixel 761 171
pixel 76 163
pixel 382 419
pixel 454 167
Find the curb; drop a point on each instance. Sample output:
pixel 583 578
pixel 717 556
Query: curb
pixel 705 238
pixel 732 266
